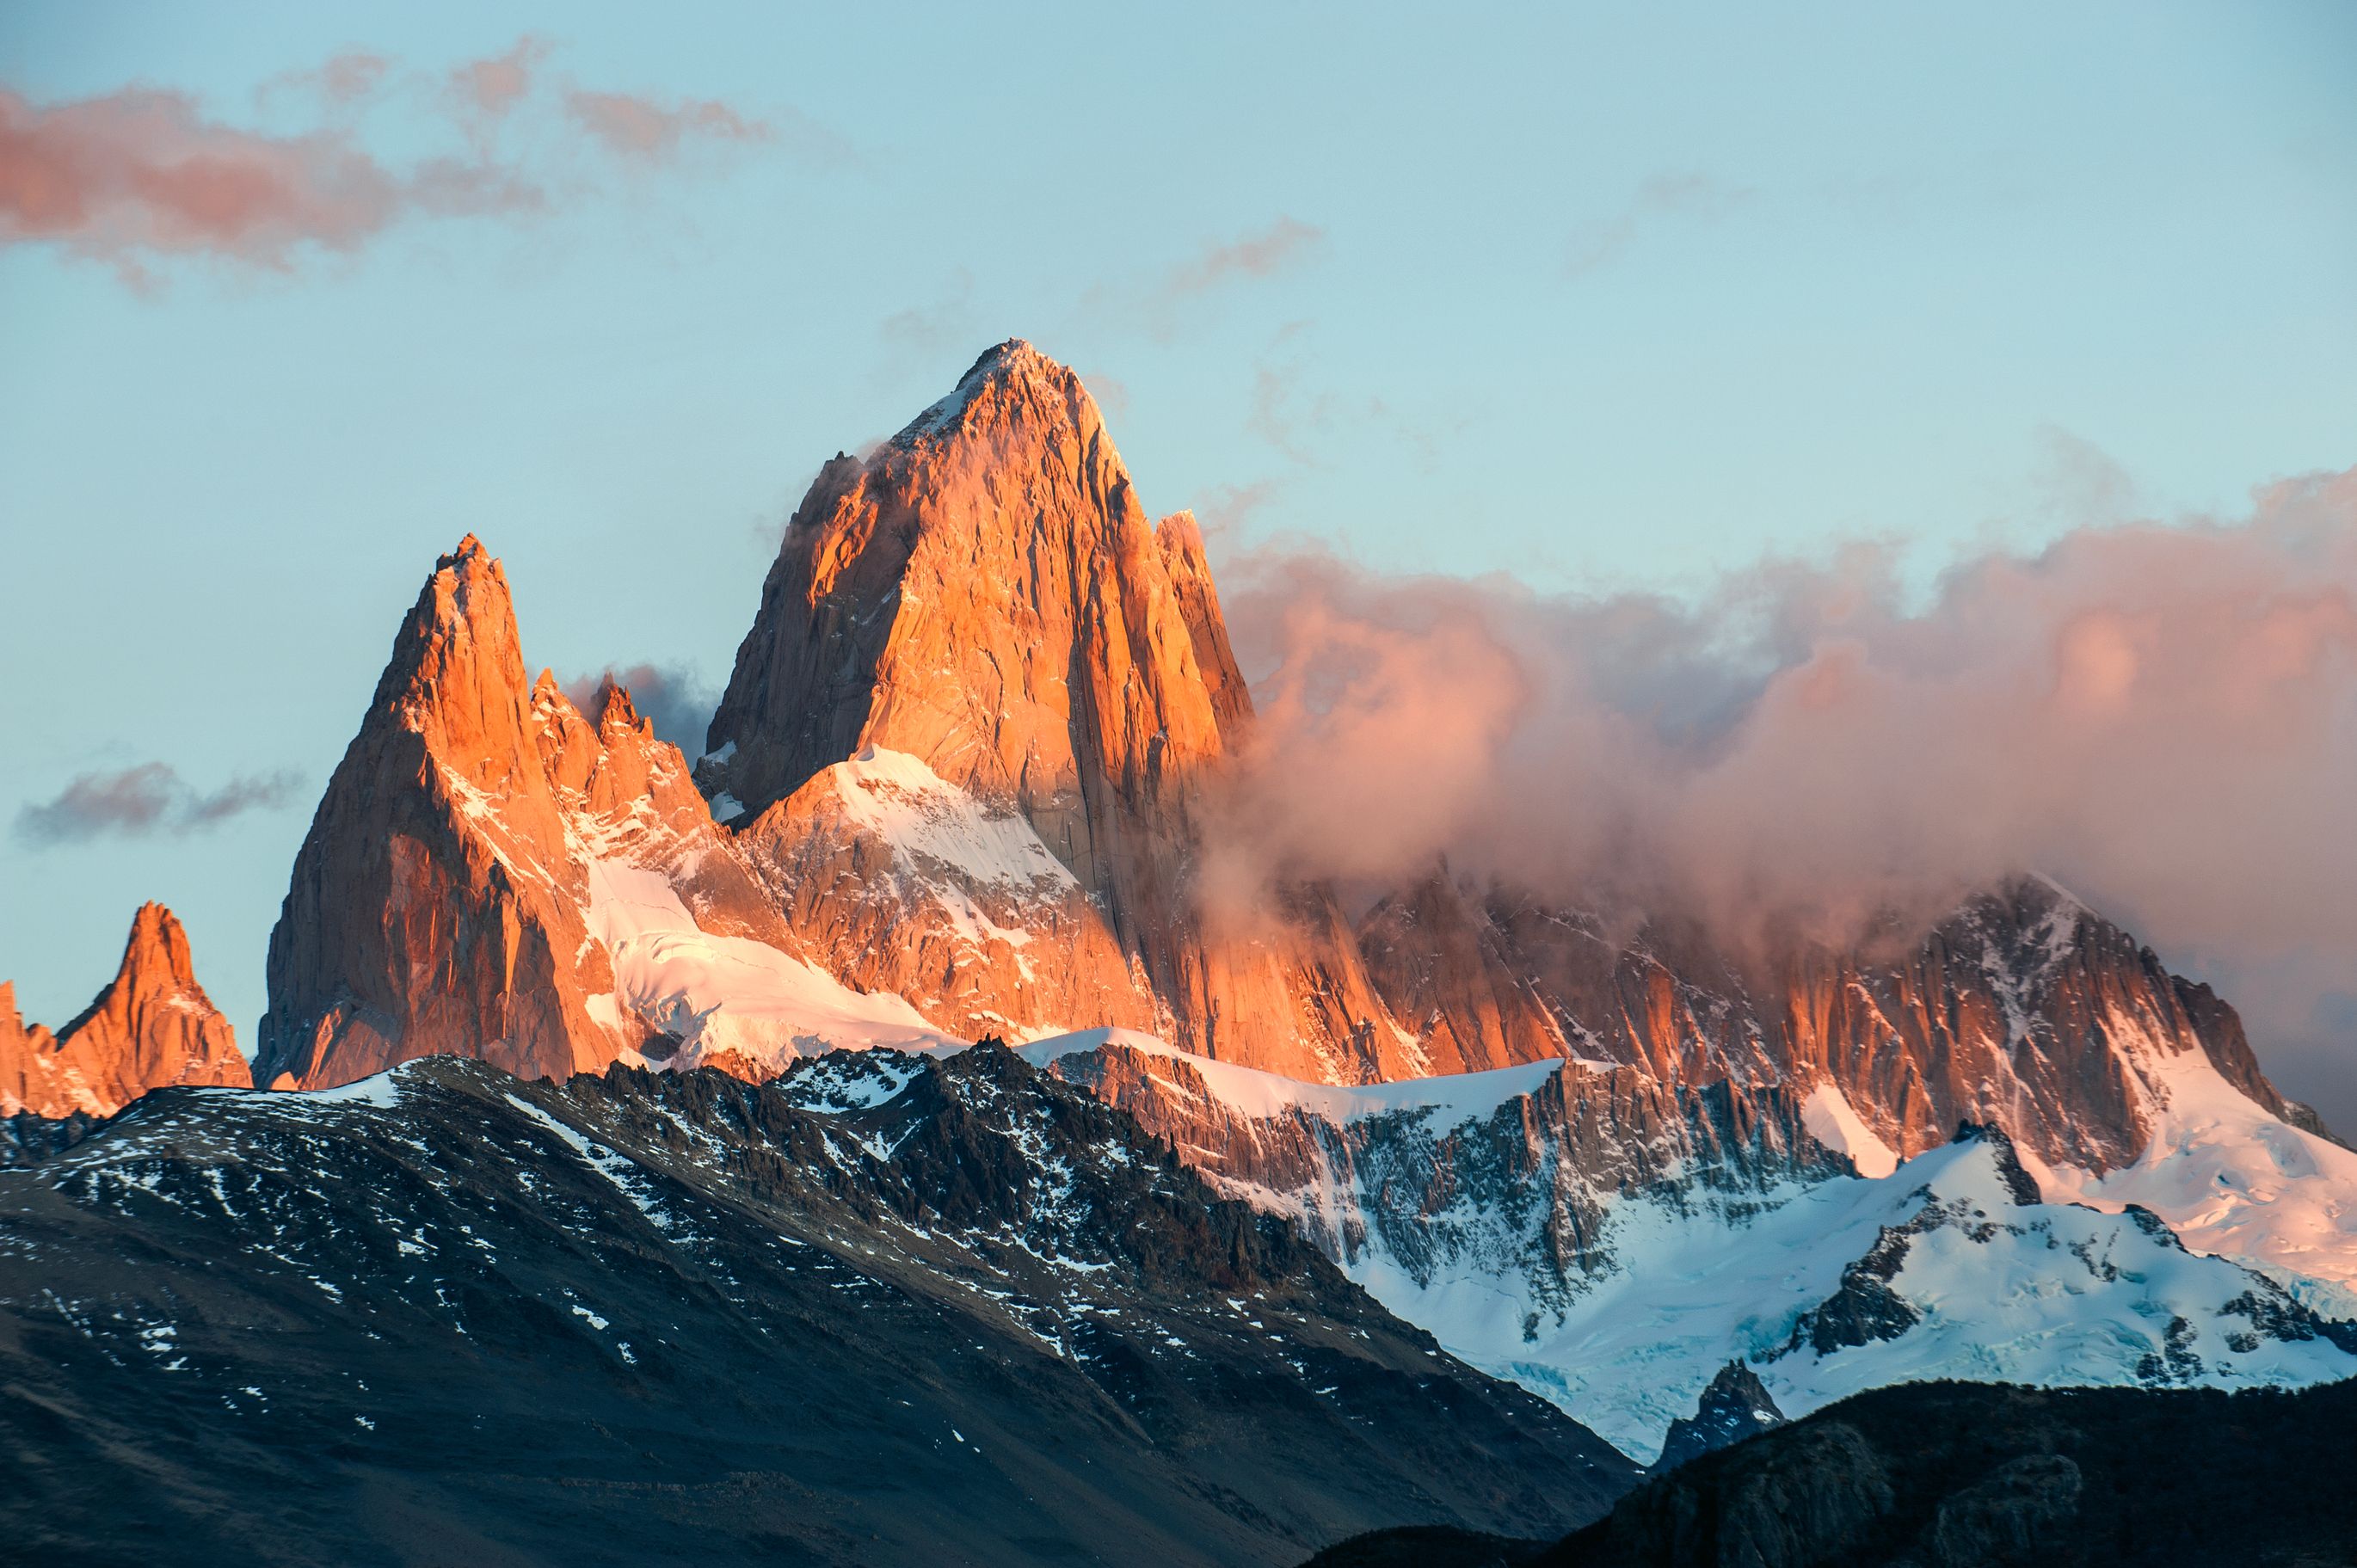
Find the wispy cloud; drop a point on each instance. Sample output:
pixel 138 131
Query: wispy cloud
pixel 1297 419
pixel 492 88
pixel 672 697
pixel 1110 391
pixel 353 77
pixel 650 131
pixel 149 799
pixel 930 329
pixel 2165 717
pixel 1226 512
pixel 1157 304
pixel 1261 256
pixel 1683 194
pixel 143 176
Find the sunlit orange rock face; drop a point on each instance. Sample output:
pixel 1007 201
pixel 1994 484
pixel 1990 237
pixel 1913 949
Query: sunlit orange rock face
pixel 152 1026
pixel 439 903
pixel 962 779
pixel 2023 1009
pixel 986 595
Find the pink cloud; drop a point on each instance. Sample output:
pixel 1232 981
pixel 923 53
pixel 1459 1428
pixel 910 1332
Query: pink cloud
pixel 492 88
pixel 351 77
pixel 144 174
pixel 1253 257
pixel 2164 719
pixel 650 132
pixel 142 169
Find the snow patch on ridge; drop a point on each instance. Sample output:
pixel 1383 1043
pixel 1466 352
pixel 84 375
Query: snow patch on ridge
pixel 1456 1098
pixel 718 993
pixel 2050 1294
pixel 2054 1293
pixel 2233 1180
pixel 931 823
pixel 1830 1121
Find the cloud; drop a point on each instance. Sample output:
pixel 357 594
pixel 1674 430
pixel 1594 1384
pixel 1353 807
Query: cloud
pixel 142 175
pixel 2162 717
pixel 1112 394
pixel 1225 512
pixel 1692 195
pixel 150 797
pixel 1297 421
pixel 650 131
pixel 492 89
pixel 670 697
pixel 923 332
pixel 351 77
pixel 1257 255
pixel 1157 304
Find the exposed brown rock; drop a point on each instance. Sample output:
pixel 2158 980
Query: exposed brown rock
pixel 975 953
pixel 985 594
pixel 2023 1010
pixel 439 903
pixel 1575 1141
pixel 965 753
pixel 153 1025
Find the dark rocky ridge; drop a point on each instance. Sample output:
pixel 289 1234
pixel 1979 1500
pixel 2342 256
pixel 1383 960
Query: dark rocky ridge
pixel 1540 1173
pixel 1973 1475
pixel 639 1317
pixel 1957 1475
pixel 1734 1406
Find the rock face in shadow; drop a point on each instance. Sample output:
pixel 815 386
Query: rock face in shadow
pixel 1616 1242
pixel 1737 1405
pixel 1968 1476
pixel 1947 1475
pixel 986 595
pixel 885 1310
pixel 152 1026
pixel 1520 1191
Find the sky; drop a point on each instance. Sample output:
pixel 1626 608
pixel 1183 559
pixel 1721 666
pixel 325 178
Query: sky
pixel 1609 303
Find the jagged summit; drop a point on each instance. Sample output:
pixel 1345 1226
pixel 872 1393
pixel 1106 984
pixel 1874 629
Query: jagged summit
pixel 155 955
pixel 491 873
pixel 1009 374
pixel 152 1026
pixel 988 598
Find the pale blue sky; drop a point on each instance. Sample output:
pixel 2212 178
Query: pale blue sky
pixel 1605 296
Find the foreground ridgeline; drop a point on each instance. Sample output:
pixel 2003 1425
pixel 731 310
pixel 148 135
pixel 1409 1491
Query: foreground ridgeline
pixel 888 1310
pixel 1953 1476
pixel 153 1025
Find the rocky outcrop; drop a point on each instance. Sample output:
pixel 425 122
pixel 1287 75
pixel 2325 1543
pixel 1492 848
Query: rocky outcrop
pixel 984 595
pixel 152 1026
pixel 2024 1009
pixel 1517 1184
pixel 1615 1242
pixel 885 1311
pixel 1737 1405
pixel 445 898
pixel 909 885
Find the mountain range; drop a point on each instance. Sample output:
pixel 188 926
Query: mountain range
pixel 962 787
